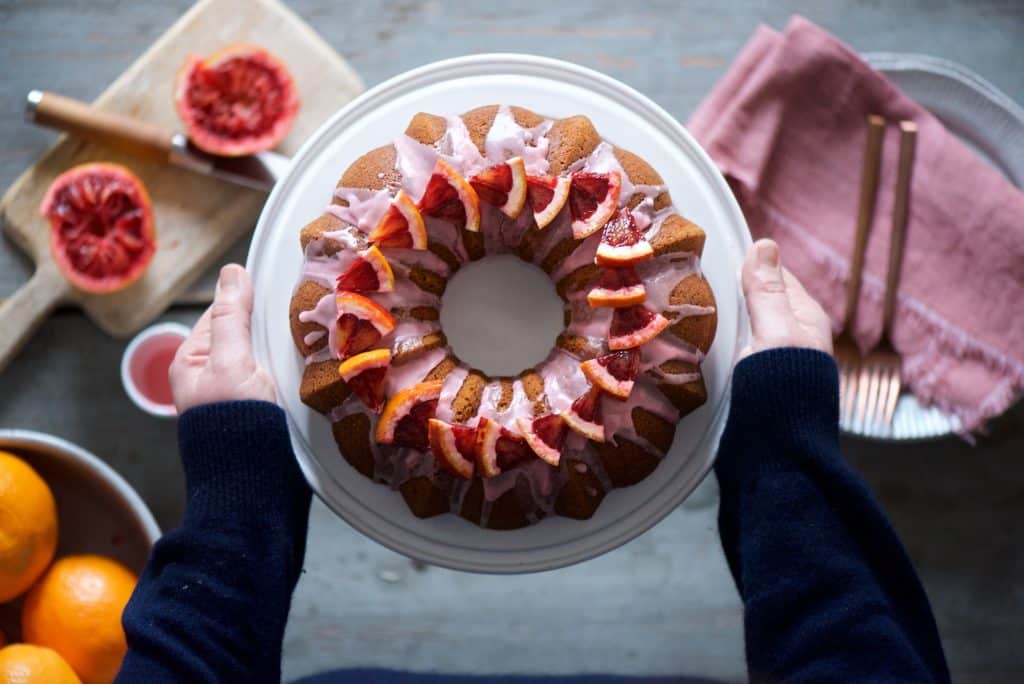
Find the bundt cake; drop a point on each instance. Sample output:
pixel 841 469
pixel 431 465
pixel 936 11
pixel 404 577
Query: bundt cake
pixel 502 452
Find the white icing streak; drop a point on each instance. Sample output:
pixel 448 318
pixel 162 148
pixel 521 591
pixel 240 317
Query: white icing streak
pixel 507 139
pixel 564 382
pixel 324 314
pixel 452 383
pixel 365 207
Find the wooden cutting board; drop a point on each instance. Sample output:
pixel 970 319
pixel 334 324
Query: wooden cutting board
pixel 197 217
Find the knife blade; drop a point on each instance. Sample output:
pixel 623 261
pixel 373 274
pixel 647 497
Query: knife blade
pixel 257 171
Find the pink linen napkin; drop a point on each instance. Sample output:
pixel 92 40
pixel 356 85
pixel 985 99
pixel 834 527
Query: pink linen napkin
pixel 786 127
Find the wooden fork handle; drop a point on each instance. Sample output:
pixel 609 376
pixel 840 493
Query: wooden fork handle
pixel 122 132
pixel 865 212
pixel 901 205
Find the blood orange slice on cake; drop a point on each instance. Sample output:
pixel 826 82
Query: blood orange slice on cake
pixel 497 449
pixel 634 326
pixel 584 416
pixel 404 420
pixel 617 288
pixel 593 199
pixel 450 198
pixel 503 186
pixel 614 373
pixel 544 435
pixel 361 323
pixel 547 196
pixel 452 446
pixel 370 272
pixel 622 243
pixel 364 374
pixel 401 226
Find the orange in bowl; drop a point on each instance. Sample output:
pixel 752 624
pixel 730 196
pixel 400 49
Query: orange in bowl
pixel 75 609
pixel 26 664
pixel 28 526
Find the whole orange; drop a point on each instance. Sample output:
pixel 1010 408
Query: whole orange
pixel 28 526
pixel 25 664
pixel 75 609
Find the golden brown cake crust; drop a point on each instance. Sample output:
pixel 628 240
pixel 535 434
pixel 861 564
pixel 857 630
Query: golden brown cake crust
pixel 375 170
pixel 641 173
pixel 624 460
pixel 570 139
pixel 306 298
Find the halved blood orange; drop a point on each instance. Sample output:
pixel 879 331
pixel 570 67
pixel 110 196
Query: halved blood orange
pixel 622 243
pixel 401 226
pixel 404 420
pixel 593 198
pixel 101 226
pixel 617 288
pixel 370 272
pixel 614 373
pixel 544 435
pixel 240 100
pixel 450 198
pixel 364 374
pixel 634 326
pixel 584 416
pixel 497 449
pixel 361 323
pixel 547 196
pixel 503 186
pixel 452 446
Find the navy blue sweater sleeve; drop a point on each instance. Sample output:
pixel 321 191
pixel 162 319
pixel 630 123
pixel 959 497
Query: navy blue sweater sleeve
pixel 213 599
pixel 829 593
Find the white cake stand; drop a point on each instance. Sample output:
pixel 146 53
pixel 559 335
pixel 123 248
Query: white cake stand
pixel 556 89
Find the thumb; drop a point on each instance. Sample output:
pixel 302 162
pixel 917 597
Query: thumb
pixel 230 317
pixel 764 286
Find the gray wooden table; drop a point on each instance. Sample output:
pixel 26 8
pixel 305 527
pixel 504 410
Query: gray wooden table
pixel 662 604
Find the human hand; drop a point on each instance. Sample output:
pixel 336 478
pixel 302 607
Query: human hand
pixel 782 314
pixel 215 363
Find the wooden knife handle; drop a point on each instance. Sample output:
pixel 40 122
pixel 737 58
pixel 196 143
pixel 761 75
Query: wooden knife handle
pixel 27 308
pixel 122 132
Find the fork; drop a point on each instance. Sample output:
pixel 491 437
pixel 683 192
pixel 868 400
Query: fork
pixel 880 369
pixel 846 352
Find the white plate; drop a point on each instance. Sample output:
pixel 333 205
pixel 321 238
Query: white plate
pixel 991 124
pixel 556 89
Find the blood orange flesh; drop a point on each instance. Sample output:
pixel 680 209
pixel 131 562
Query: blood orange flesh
pixel 412 430
pixel 547 195
pixel 584 416
pixel 101 226
pixel 622 243
pixel 614 373
pixel 450 198
pixel 544 435
pixel 633 326
pixel 238 101
pixel 503 186
pixel 617 287
pixel 370 272
pixel 593 198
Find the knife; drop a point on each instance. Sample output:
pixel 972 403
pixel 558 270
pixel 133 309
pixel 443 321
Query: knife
pixel 258 171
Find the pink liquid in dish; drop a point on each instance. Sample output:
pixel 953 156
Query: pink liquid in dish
pixel 150 364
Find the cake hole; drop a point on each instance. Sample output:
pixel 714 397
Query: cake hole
pixel 501 315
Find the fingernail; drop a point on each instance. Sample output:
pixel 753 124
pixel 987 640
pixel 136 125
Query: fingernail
pixel 768 253
pixel 230 279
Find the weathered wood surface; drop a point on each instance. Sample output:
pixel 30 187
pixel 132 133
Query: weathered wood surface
pixel 663 603
pixel 197 217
